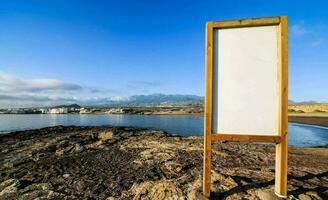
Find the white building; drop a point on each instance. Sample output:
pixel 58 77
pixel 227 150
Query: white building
pixel 58 111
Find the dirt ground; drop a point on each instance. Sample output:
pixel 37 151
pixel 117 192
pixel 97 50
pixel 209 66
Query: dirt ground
pixel 132 163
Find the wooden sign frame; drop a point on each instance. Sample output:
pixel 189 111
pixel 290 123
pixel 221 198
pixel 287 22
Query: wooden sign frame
pixel 281 139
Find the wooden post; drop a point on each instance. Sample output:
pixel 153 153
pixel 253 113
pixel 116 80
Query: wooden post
pixel 208 111
pixel 282 147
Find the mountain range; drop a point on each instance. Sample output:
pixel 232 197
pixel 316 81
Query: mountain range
pixel 157 99
pixel 171 99
pixel 160 99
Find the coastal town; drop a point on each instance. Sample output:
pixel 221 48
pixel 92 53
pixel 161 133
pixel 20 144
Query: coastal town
pixel 76 109
pixel 308 113
pixel 196 108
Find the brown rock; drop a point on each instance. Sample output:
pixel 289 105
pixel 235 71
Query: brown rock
pixel 146 164
pixel 60 152
pixel 267 195
pixel 105 135
pixel 304 197
pixel 159 190
pixel 66 175
pixel 7 188
pixel 78 148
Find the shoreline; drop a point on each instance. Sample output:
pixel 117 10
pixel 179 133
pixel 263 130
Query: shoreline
pixel 319 119
pixel 14 132
pixel 106 162
pixel 102 113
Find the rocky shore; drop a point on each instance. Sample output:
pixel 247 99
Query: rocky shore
pixel 132 163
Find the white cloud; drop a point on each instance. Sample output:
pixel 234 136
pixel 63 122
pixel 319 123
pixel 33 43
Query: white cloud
pixel 299 30
pixel 148 83
pixel 18 92
pixel 119 98
pixel 12 84
pixel 34 98
pixel 317 42
pixel 145 86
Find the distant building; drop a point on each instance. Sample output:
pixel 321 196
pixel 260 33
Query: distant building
pixel 58 111
pixel 43 110
pixel 115 111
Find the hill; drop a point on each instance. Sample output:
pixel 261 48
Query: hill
pixel 308 107
pixel 158 99
pixel 67 106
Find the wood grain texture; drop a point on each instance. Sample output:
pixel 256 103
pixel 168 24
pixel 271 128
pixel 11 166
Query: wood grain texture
pixel 245 138
pixel 269 21
pixel 282 147
pixel 208 110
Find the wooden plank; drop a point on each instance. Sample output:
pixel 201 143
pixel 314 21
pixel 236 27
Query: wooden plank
pixel 282 147
pixel 208 110
pixel 247 22
pixel 245 138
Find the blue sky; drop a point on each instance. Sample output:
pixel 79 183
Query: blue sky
pixel 60 51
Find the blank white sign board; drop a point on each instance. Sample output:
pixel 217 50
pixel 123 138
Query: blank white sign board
pixel 245 81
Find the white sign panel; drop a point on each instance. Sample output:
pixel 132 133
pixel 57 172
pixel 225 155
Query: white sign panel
pixel 245 81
